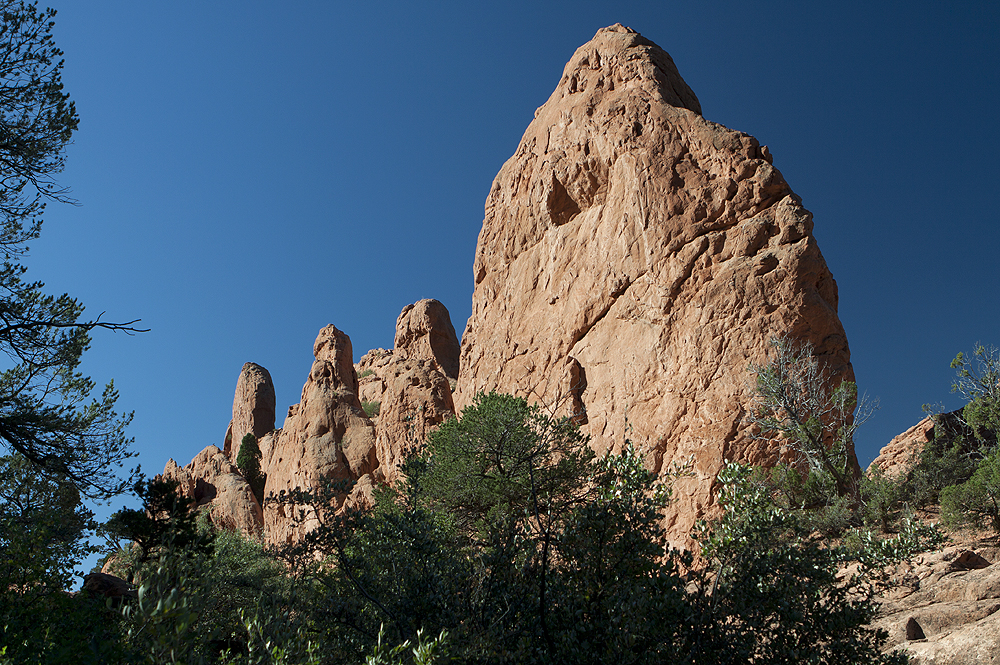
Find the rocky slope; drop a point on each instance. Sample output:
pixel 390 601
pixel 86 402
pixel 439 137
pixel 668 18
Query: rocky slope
pixel 943 607
pixel 634 259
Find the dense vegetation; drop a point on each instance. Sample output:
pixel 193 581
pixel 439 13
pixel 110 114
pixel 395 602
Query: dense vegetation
pixel 507 540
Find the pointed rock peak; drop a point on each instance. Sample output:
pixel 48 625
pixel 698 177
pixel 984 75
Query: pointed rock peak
pixel 334 359
pixel 619 57
pixel 634 259
pixel 424 331
pixel 253 407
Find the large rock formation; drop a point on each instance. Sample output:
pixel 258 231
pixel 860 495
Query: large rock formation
pixel 634 259
pixel 326 435
pixel 253 407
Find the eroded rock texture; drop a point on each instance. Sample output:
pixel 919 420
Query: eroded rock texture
pixel 634 259
pixel 326 435
pixel 943 607
pixel 424 331
pixel 412 382
pixel 217 486
pixel 253 407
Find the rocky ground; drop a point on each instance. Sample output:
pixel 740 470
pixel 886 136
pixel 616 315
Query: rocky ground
pixel 942 607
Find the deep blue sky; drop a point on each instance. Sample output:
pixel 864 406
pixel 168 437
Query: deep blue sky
pixel 248 172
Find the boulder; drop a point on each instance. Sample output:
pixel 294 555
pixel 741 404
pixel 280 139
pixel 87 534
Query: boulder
pixel 634 259
pixel 108 586
pixel 218 487
pixel 326 435
pixel 253 408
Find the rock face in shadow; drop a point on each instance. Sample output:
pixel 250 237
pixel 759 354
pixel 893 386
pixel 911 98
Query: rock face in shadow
pixel 634 259
pixel 253 408
pixel 217 486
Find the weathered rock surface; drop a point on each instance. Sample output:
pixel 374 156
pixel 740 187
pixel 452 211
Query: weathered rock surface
pixel 411 383
pixel 424 331
pixel 897 456
pixel 326 435
pixel 634 259
pixel 253 408
pixel 900 454
pixel 945 608
pixel 217 486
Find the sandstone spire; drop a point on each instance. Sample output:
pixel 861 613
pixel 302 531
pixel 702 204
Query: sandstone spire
pixel 634 259
pixel 253 407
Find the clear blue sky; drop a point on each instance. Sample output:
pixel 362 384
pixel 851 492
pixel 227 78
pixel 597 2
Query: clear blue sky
pixel 250 171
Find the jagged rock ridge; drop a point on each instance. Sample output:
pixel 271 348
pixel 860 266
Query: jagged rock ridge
pixel 328 434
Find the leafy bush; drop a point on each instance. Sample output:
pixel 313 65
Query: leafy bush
pixel 771 594
pixel 976 501
pixel 248 462
pixel 371 409
pixel 367 372
pixel 881 499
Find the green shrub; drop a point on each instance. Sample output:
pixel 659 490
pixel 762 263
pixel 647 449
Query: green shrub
pixel 977 500
pixel 371 409
pixel 367 372
pixel 881 499
pixel 793 405
pixel 248 462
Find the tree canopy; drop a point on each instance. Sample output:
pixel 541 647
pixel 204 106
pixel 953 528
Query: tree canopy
pixel 47 411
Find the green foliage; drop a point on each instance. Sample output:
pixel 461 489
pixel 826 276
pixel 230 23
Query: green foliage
pixel 46 410
pixel 371 409
pixel 508 533
pixel 166 519
pixel 771 594
pixel 248 462
pixel 217 604
pixel 793 405
pixel 978 381
pixel 964 442
pixel 367 372
pixel 37 121
pixel 424 652
pixel 945 460
pixel 527 555
pixel 976 501
pixel 881 499
pixel 875 552
pixel 44 532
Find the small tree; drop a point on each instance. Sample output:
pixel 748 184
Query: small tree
pixel 248 462
pixel 977 500
pixel 978 381
pixel 793 403
pixel 46 410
